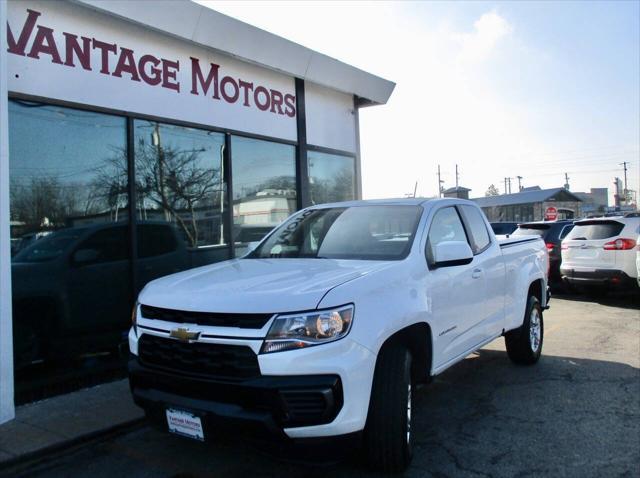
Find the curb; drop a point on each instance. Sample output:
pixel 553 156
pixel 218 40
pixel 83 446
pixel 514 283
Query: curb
pixel 22 463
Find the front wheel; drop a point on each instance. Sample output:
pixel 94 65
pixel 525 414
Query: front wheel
pixel 388 438
pixel 524 344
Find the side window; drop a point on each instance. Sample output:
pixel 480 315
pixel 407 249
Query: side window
pixel 155 240
pixel 480 239
pixel 445 226
pixel 565 230
pixel 107 245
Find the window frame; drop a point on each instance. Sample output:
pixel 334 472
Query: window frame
pixel 430 265
pixel 470 237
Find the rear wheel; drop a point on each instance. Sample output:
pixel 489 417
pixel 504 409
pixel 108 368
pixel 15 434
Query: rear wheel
pixel 524 344
pixel 388 438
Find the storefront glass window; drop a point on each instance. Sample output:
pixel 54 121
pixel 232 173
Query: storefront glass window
pixel 264 188
pixel 331 177
pixel 70 258
pixel 180 198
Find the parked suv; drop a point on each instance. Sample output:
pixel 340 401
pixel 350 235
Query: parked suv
pixel 552 233
pixel 601 252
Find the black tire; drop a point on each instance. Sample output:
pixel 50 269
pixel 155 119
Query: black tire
pixel 522 347
pixel 387 435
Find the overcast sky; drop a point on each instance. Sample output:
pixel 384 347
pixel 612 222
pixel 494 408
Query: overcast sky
pixel 534 89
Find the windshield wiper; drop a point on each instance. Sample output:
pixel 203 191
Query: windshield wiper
pixel 580 239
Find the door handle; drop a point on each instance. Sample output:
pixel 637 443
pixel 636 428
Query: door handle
pixel 477 273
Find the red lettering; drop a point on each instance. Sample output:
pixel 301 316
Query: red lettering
pixel 290 102
pixel 45 43
pixel 170 72
pixel 82 54
pixel 17 48
pixel 264 106
pixel 127 64
pixel 276 101
pixel 104 48
pixel 227 80
pixel 246 87
pixel 198 77
pixel 155 76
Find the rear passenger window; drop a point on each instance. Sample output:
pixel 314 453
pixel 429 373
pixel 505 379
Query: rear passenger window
pixel 446 226
pixel 565 230
pixel 155 240
pixel 479 235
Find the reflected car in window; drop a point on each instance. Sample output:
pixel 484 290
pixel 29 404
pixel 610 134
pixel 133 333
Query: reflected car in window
pixel 71 289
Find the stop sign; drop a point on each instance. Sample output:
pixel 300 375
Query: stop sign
pixel 551 214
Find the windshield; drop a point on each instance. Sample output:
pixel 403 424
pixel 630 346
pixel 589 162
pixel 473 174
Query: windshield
pixel 359 232
pixel 49 247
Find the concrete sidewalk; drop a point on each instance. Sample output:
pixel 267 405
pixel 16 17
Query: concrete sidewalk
pixel 43 427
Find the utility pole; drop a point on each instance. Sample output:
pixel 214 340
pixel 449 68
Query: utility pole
pixel 415 189
pixel 519 183
pixel 457 176
pixel 505 186
pixel 566 181
pixel 440 181
pixel 625 191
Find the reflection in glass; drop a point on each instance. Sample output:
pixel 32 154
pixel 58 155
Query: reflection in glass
pixel 180 198
pixel 264 188
pixel 70 258
pixel 331 177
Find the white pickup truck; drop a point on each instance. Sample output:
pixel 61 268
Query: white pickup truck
pixel 325 328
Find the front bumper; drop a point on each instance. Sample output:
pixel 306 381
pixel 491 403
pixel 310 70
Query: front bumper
pixel 262 407
pixel 599 277
pixel 320 391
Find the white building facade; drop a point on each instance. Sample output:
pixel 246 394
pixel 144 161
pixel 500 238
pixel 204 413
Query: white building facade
pixel 142 138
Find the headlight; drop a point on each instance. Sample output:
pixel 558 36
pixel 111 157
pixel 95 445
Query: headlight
pixel 134 317
pixel 296 331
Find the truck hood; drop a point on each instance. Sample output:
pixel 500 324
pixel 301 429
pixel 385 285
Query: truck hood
pixel 255 285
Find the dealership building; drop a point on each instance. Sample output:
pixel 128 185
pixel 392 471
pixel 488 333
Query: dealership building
pixel 142 138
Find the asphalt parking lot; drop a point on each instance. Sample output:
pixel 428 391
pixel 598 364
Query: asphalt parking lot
pixel 576 413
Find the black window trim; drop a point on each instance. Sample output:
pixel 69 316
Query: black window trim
pixel 464 228
pixel 470 238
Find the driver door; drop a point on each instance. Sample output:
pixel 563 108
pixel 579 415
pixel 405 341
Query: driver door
pixel 455 293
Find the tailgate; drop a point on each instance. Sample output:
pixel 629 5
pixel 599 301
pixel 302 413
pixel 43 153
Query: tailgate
pixel 584 248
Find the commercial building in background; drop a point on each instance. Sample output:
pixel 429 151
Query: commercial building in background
pixel 145 138
pixel 532 204
pixel 594 202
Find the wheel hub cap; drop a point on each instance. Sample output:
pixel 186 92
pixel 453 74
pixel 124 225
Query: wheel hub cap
pixel 535 330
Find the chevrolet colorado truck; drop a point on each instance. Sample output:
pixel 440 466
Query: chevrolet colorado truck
pixel 325 328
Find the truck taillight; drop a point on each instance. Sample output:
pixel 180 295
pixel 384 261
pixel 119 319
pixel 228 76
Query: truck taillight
pixel 620 245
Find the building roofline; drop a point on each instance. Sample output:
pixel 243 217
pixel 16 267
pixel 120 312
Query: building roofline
pixel 203 26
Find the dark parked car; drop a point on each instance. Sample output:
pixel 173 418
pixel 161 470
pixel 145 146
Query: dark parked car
pixel 72 291
pixel 503 228
pixel 552 233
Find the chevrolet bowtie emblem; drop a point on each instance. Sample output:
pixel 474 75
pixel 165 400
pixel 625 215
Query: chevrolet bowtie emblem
pixel 185 335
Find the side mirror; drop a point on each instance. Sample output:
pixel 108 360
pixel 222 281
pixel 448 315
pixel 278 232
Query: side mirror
pixel 452 253
pixel 85 256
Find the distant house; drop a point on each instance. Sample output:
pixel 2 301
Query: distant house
pixel 456 192
pixel 530 205
pixel 594 202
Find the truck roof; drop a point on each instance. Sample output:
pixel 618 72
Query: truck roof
pixel 391 202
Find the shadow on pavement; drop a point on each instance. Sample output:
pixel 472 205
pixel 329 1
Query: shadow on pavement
pixel 625 300
pixel 484 417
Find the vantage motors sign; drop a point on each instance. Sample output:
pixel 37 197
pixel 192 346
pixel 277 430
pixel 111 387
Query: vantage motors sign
pixel 67 52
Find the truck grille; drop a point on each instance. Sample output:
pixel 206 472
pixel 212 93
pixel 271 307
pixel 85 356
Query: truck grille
pixel 215 361
pixel 244 321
